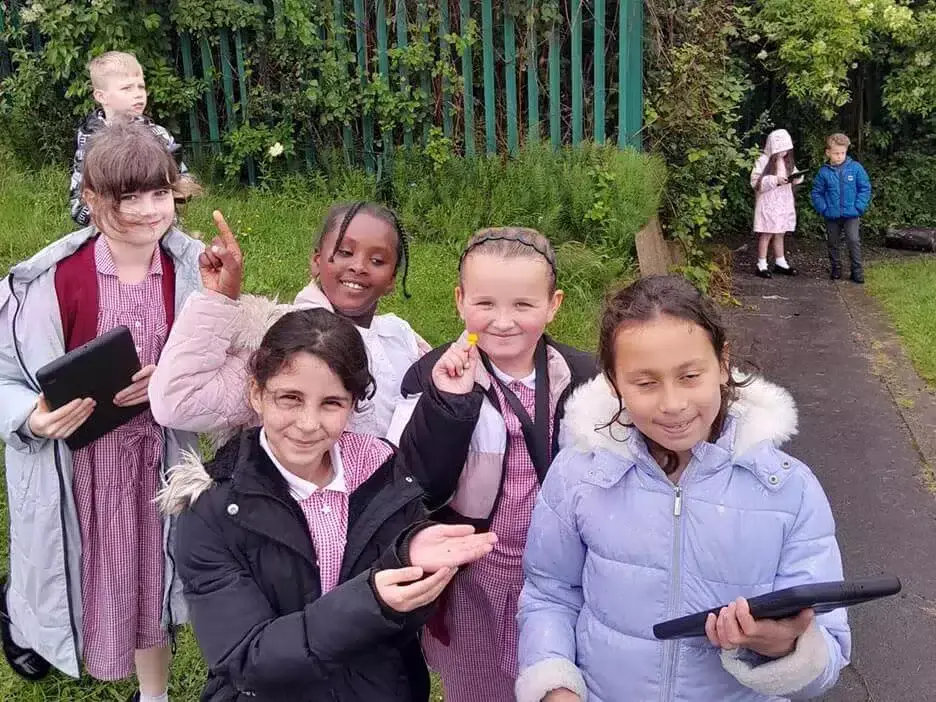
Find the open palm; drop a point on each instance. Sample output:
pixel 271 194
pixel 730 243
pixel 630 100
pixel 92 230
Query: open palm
pixel 449 546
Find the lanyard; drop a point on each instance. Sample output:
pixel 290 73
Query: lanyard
pixel 535 433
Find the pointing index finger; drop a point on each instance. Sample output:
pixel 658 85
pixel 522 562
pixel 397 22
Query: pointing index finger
pixel 227 236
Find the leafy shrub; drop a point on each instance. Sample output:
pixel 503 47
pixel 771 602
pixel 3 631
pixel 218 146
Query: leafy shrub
pixel 593 195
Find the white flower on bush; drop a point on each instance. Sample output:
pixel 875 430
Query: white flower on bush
pixel 31 14
pixel 923 59
pixel 762 55
pixel 275 150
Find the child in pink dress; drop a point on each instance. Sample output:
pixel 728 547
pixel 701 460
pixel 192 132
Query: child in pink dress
pixel 496 396
pixel 105 590
pixel 773 178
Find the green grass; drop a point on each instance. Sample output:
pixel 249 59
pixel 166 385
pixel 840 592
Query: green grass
pixel 276 232
pixel 907 290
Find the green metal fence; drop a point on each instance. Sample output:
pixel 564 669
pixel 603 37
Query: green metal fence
pixel 582 74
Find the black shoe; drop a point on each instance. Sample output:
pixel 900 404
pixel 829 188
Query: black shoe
pixel 785 270
pixel 762 273
pixel 135 697
pixel 24 661
pixel 835 274
pixel 857 278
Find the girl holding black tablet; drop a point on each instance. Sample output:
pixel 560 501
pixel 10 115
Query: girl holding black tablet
pixel 91 577
pixel 671 497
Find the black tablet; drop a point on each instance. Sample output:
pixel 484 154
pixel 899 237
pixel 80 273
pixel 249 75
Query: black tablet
pixel 99 370
pixel 822 597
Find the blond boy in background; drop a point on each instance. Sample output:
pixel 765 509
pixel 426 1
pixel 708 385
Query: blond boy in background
pixel 120 92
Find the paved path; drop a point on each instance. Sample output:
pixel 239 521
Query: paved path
pixel 799 331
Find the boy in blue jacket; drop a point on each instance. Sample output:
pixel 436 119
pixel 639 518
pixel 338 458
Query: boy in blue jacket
pixel 841 193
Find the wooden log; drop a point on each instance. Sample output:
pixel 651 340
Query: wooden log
pixel 654 256
pixel 916 239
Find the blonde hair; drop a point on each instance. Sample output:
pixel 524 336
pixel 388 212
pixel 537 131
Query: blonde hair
pixel 838 140
pixel 112 63
pixel 511 242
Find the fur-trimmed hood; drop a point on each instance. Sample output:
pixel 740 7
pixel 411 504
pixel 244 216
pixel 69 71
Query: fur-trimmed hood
pixel 185 483
pixel 258 314
pixel 762 412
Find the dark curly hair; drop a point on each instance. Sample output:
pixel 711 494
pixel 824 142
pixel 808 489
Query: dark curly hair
pixel 645 300
pixel 326 336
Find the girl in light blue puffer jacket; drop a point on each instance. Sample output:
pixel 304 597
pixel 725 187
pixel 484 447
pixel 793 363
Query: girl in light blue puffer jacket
pixel 678 503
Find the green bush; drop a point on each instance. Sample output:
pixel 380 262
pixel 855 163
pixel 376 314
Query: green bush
pixel 598 196
pixel 903 192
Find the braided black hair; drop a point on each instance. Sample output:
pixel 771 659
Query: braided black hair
pixel 347 213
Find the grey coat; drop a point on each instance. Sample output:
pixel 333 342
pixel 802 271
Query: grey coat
pixel 44 596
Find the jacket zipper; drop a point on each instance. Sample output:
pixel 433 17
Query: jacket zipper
pixel 61 478
pixel 841 175
pixel 389 509
pixel 170 620
pixel 670 648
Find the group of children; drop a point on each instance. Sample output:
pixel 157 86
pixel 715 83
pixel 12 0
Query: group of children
pixel 508 511
pixel 841 193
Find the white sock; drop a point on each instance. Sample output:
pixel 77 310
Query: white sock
pixel 762 264
pixel 782 262
pixel 164 697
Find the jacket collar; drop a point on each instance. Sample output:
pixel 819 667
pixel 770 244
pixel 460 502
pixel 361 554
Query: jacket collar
pixel 174 242
pixel 763 417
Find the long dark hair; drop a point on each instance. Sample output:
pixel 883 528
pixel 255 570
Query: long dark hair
pixel 326 336
pixel 646 300
pixel 339 217
pixel 772 166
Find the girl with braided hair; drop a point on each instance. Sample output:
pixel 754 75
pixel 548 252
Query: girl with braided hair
pixel 202 376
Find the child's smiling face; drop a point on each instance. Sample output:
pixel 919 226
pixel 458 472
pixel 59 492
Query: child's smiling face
pixel 140 218
pixel 669 379
pixel 507 302
pixel 362 269
pixel 304 409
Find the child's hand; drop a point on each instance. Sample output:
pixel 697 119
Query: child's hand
pixel 397 595
pixel 60 423
pixel 222 264
pixel 137 392
pixel 736 628
pixel 449 546
pixel 562 695
pixel 454 372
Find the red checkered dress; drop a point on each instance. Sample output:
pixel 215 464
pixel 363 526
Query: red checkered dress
pixel 326 509
pixel 115 481
pixel 480 662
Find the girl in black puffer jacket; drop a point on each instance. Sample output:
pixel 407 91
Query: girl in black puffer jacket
pixel 307 562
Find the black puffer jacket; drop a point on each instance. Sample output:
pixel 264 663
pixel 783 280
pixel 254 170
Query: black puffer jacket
pixel 438 438
pixel 252 585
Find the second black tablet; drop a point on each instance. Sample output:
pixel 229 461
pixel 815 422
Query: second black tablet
pixel 822 597
pixel 99 370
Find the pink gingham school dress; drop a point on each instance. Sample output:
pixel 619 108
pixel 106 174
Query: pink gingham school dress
pixel 480 662
pixel 355 458
pixel 114 483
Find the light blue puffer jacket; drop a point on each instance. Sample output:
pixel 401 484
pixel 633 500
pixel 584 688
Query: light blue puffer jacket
pixel 614 547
